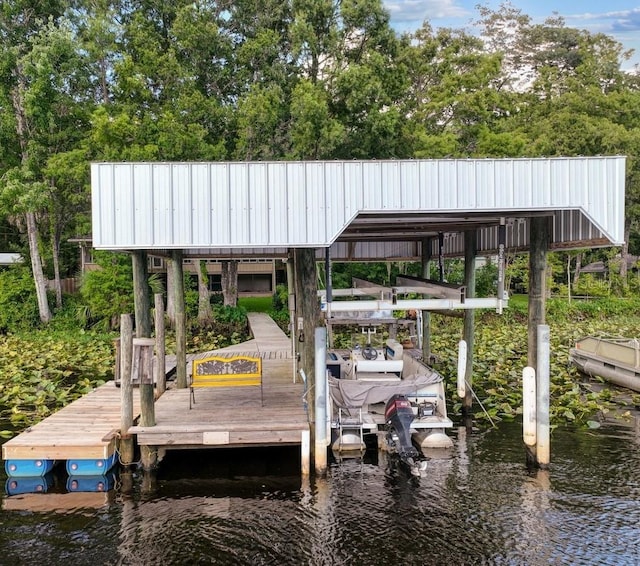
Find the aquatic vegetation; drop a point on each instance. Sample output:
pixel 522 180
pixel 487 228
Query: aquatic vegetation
pixel 41 372
pixel 500 354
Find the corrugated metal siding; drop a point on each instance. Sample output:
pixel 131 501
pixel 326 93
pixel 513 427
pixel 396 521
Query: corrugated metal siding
pixel 373 251
pixel 309 204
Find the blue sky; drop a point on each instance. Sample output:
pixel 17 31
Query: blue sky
pixel 617 18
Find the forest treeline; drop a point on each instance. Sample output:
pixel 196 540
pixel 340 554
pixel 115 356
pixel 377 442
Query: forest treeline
pixel 84 81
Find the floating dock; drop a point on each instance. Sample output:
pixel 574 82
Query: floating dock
pixel 88 429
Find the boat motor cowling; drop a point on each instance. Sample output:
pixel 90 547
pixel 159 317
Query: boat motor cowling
pixel 399 415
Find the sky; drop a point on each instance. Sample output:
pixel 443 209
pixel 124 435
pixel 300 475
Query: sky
pixel 617 18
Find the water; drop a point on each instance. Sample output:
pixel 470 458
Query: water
pixel 478 506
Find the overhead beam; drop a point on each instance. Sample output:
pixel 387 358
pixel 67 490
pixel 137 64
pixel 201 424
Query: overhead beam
pixel 415 304
pixel 443 290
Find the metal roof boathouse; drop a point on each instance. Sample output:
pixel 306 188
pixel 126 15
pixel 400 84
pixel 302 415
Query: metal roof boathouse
pixel 264 208
pixel 404 210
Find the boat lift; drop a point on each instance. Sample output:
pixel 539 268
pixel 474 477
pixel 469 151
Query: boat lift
pixel 373 304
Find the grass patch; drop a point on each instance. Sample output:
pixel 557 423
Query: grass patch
pixel 256 304
pixel 519 302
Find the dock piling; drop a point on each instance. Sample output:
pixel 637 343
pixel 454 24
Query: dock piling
pixel 321 441
pixel 159 368
pixel 126 389
pixel 143 355
pixel 542 397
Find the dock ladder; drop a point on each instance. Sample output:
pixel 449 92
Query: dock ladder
pixel 350 429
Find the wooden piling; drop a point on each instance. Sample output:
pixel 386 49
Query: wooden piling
pixel 308 310
pixel 143 355
pixel 538 455
pixel 181 330
pixel 469 316
pixel 291 305
pixel 159 368
pixel 538 246
pixel 126 389
pixel 141 293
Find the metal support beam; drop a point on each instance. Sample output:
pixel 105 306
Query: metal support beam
pixel 426 315
pixel 415 304
pixel 438 289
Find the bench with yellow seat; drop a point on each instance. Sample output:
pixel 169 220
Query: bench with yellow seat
pixel 221 371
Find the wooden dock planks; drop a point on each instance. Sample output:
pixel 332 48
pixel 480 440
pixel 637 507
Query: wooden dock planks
pixel 231 416
pixel 86 428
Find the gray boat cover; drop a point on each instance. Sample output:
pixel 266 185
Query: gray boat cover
pixel 351 393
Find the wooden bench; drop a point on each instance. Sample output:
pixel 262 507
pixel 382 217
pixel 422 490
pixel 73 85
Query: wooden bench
pixel 220 371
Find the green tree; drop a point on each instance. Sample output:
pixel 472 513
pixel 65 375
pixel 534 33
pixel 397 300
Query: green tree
pixel 570 97
pixel 451 97
pixel 43 84
pixel 108 291
pixel 314 131
pixel 347 51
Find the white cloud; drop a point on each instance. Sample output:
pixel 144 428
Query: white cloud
pixel 419 10
pixel 617 21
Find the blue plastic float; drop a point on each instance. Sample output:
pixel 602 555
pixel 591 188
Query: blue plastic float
pixel 38 484
pixel 91 483
pixel 97 467
pixel 28 468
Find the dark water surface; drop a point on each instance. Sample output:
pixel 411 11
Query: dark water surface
pixel 479 506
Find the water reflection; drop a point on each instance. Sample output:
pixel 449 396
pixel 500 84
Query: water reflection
pixel 479 505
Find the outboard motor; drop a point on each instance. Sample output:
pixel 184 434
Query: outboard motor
pixel 399 415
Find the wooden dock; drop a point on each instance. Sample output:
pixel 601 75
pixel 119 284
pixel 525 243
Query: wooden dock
pixel 231 416
pixel 88 428
pixel 235 417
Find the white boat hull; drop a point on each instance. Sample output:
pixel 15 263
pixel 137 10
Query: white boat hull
pixel 615 360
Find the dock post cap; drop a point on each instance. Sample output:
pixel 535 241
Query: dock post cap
pixel 144 341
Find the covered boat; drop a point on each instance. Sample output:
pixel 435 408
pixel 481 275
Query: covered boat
pixel 369 378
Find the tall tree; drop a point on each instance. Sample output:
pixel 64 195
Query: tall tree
pixel 205 312
pixel 229 280
pixel 574 99
pixel 347 51
pixel 451 99
pixel 42 78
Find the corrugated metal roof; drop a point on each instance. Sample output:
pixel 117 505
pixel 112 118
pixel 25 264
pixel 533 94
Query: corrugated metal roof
pixel 365 208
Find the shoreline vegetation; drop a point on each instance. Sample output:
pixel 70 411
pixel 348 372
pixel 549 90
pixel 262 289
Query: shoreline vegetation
pixel 44 370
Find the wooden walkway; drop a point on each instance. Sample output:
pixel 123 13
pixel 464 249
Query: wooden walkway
pixel 268 342
pixel 88 428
